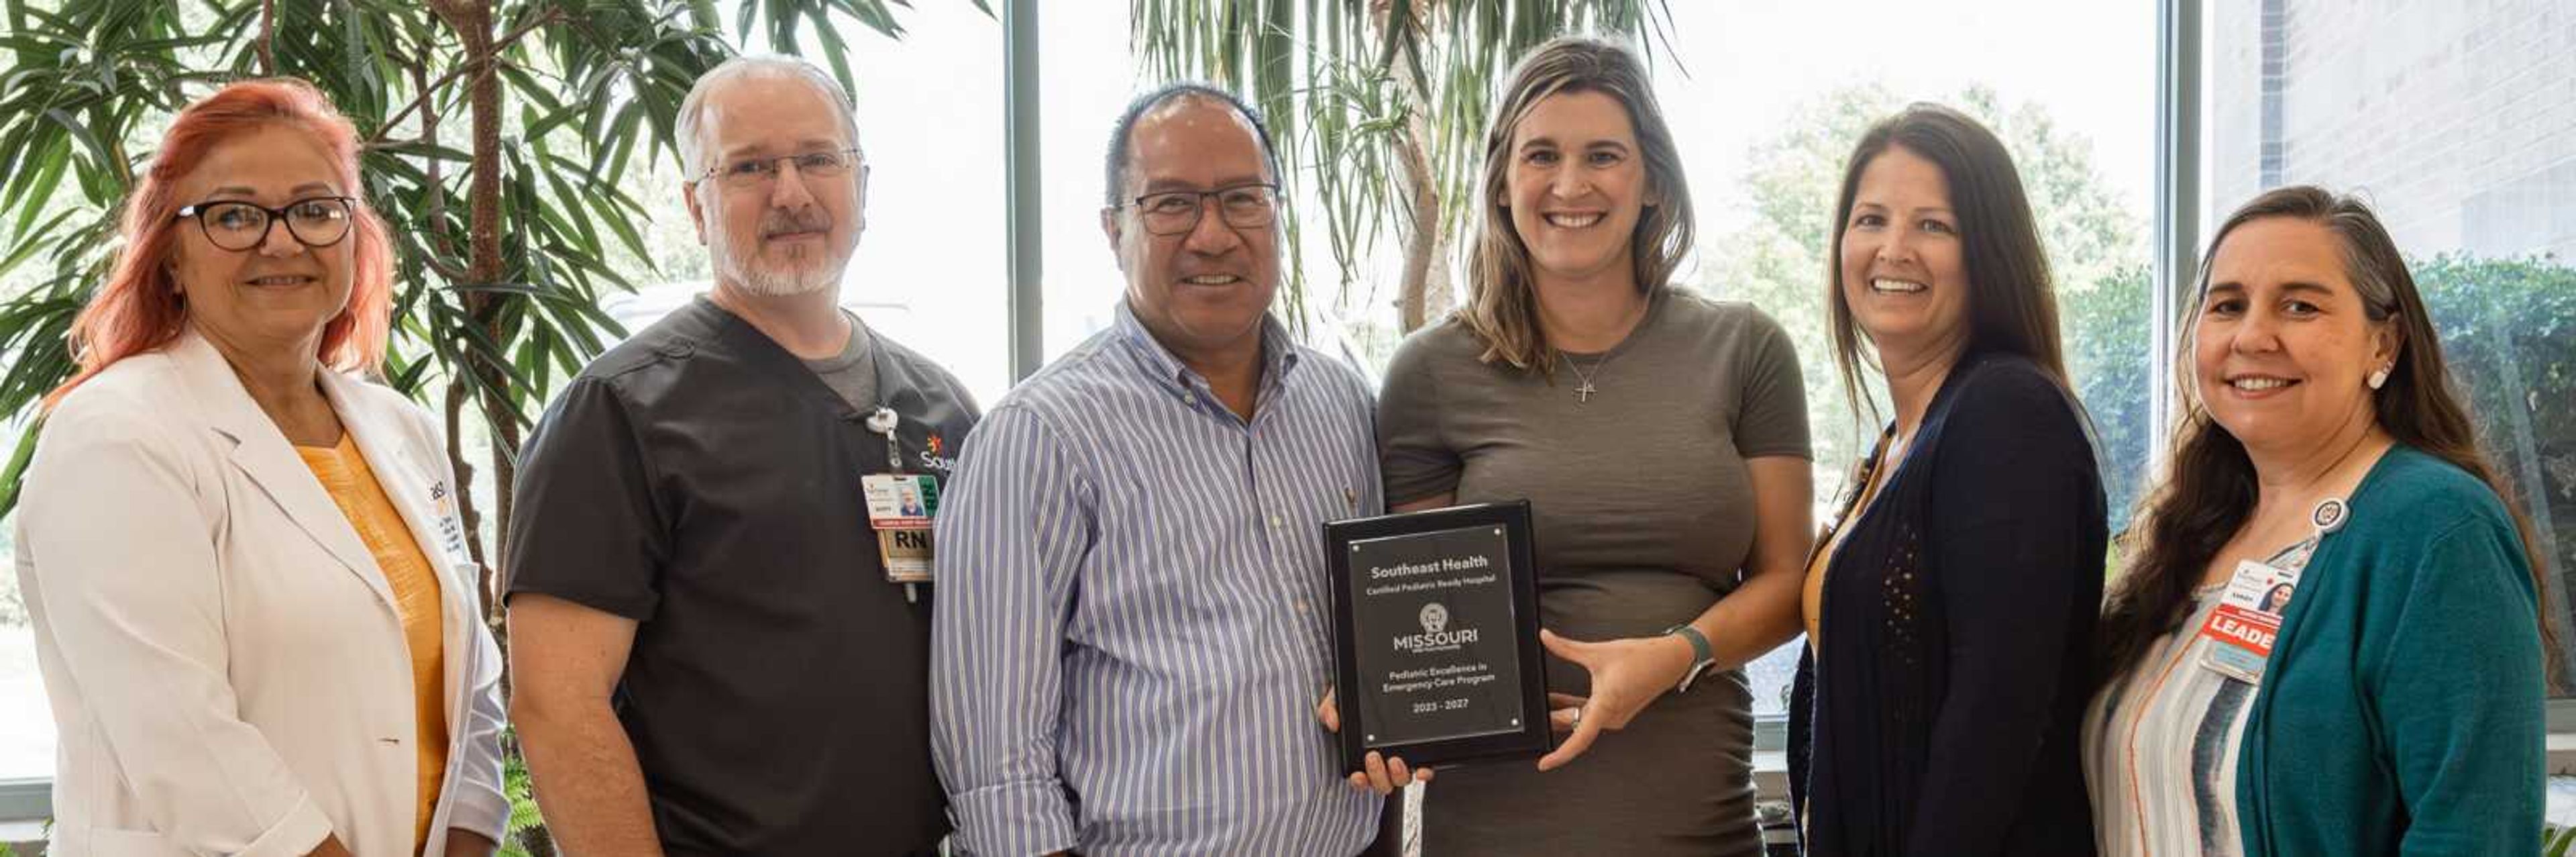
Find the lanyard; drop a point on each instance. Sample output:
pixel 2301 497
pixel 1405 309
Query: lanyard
pixel 884 421
pixel 899 547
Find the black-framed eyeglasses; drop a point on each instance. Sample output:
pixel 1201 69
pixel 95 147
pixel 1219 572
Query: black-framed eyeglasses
pixel 756 171
pixel 317 221
pixel 1243 206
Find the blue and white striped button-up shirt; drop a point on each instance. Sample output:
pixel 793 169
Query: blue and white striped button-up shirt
pixel 1132 617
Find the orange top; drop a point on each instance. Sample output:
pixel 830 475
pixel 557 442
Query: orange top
pixel 353 487
pixel 1812 601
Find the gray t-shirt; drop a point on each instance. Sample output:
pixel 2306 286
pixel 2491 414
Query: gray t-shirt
pixel 1644 516
pixel 853 372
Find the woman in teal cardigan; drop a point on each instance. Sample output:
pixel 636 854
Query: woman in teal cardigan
pixel 2394 705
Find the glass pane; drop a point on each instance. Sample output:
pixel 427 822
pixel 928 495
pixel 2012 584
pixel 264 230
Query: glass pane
pixel 2459 127
pixel 1085 79
pixel 26 722
pixel 933 272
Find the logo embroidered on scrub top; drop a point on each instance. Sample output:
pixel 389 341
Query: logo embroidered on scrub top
pixel 935 457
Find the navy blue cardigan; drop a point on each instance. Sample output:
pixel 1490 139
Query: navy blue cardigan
pixel 1945 716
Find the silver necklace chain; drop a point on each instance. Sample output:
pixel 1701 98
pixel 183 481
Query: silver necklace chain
pixel 1583 392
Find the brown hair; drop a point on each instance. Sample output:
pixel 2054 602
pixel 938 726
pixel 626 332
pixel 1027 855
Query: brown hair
pixel 1502 306
pixel 2208 490
pixel 2012 305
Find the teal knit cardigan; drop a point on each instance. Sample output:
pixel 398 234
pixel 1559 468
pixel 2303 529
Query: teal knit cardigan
pixel 2402 711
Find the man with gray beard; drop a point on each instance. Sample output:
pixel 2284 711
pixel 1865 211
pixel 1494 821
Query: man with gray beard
pixel 719 555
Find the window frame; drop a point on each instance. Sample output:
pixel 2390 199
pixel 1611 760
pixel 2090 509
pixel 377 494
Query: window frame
pixel 26 800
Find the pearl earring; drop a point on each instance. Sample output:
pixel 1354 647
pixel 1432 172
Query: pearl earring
pixel 2378 377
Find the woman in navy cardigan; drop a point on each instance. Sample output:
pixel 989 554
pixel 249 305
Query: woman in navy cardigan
pixel 1951 607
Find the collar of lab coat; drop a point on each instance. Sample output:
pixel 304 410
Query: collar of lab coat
pixel 263 453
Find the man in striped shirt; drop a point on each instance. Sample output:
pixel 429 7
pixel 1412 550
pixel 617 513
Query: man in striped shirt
pixel 1132 625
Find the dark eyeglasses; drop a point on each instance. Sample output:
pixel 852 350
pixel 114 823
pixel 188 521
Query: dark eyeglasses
pixel 319 221
pixel 1246 206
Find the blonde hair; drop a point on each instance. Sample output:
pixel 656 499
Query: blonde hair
pixel 1502 306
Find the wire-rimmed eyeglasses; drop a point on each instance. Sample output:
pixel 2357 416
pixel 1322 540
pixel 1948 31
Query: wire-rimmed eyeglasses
pixel 1243 206
pixel 761 170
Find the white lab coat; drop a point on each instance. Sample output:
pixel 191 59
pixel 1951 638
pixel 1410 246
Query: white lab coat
pixel 224 660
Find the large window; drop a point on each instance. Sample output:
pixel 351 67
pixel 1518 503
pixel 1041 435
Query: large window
pixel 2459 126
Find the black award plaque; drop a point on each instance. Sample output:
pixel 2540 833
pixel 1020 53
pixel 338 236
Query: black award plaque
pixel 1435 649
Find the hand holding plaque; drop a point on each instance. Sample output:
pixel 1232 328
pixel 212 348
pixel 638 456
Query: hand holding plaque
pixel 1380 774
pixel 1436 648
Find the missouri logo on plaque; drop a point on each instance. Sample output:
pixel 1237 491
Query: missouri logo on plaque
pixel 1435 624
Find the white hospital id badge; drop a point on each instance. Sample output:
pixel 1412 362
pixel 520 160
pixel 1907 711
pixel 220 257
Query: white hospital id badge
pixel 900 499
pixel 2242 629
pixel 901 507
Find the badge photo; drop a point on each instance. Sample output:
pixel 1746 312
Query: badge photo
pixel 901 507
pixel 2247 621
pixel 901 500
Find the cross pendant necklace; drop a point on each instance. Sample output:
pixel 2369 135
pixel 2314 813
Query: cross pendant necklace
pixel 1583 392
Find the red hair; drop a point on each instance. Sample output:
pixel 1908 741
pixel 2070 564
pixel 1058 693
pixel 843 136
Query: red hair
pixel 138 308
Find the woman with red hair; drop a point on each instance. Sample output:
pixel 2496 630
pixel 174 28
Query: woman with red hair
pixel 254 609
